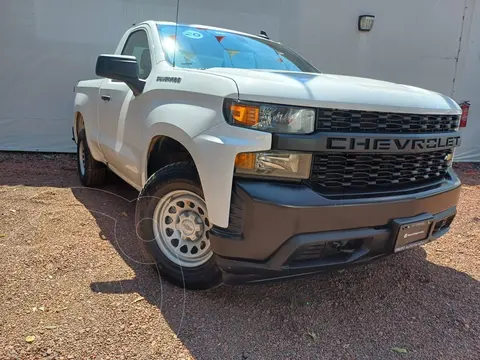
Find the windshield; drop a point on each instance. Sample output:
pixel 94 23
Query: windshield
pixel 199 48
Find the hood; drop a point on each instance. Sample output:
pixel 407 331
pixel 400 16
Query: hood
pixel 335 91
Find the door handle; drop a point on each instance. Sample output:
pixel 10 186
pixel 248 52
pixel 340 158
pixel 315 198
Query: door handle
pixel 105 97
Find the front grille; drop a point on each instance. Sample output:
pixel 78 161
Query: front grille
pixel 339 172
pixel 333 120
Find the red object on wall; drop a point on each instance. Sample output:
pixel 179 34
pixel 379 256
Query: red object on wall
pixel 465 109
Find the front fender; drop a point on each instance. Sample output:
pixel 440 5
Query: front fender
pixel 180 122
pixel 164 129
pixel 213 145
pixel 215 153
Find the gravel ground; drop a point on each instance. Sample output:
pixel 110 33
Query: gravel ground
pixel 73 279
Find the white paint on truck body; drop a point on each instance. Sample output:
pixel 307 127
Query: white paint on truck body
pixel 120 131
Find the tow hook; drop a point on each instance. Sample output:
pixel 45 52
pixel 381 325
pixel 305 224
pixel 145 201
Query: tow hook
pixel 343 247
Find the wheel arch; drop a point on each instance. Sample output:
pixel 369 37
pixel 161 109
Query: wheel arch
pixel 78 125
pixel 158 134
pixel 170 134
pixel 81 100
pixel 162 151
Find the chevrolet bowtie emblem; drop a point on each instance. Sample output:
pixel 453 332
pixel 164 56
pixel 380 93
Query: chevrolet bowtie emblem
pixel 449 157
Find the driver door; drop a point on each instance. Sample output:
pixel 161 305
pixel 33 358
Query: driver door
pixel 119 132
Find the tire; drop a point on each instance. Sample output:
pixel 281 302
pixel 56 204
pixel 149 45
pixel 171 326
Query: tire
pixel 90 171
pixel 170 232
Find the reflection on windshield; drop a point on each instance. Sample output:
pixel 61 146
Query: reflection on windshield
pixel 197 48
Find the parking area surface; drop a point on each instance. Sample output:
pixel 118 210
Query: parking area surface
pixel 74 286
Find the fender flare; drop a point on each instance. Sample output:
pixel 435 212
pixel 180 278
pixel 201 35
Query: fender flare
pixel 80 102
pixel 168 130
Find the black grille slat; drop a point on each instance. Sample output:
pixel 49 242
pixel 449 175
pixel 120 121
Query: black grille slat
pixel 369 172
pixel 331 120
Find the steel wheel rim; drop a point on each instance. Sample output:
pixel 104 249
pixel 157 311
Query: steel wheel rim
pixel 81 157
pixel 180 226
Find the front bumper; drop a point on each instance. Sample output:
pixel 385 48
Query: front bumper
pixel 282 230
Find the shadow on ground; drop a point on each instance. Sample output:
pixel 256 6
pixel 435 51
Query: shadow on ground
pixel 403 301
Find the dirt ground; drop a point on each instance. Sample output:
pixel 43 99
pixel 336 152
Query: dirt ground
pixel 73 286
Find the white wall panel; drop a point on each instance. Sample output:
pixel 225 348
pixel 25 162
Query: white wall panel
pixel 415 42
pixel 48 45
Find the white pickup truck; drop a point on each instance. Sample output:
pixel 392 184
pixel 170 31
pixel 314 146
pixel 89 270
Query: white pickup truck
pixel 252 165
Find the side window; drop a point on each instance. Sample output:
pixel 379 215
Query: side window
pixel 137 45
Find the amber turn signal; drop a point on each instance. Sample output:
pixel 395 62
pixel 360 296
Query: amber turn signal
pixel 280 164
pixel 245 161
pixel 245 115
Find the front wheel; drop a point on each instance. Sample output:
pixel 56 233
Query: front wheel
pixel 173 227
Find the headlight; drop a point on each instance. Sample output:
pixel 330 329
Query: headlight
pixel 269 117
pixel 274 164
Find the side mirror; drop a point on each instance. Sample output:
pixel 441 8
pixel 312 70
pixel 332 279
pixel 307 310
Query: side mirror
pixel 122 68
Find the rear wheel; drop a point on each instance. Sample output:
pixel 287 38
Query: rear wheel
pixel 90 171
pixel 173 227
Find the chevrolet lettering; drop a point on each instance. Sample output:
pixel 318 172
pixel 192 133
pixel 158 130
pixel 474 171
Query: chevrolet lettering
pixel 391 145
pixel 252 165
